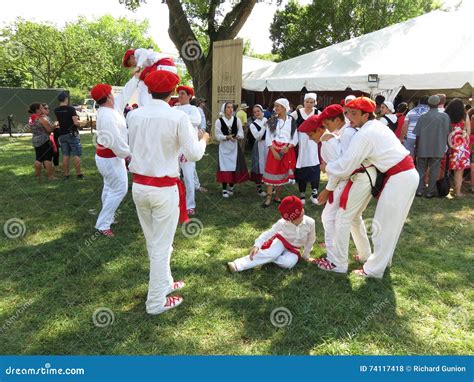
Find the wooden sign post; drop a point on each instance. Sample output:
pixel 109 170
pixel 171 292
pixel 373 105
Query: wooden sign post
pixel 226 75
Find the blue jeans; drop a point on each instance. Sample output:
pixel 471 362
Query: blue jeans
pixel 70 145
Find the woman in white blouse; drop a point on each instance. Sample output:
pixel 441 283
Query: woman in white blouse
pixel 258 128
pixel 281 139
pixel 231 166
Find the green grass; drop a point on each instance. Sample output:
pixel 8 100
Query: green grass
pixel 54 277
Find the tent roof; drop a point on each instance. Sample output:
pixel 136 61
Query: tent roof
pixel 432 51
pixel 250 64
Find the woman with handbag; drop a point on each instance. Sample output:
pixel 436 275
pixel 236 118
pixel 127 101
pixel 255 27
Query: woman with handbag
pixel 41 128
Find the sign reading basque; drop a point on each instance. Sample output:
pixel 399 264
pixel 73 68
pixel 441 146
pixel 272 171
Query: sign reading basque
pixel 227 58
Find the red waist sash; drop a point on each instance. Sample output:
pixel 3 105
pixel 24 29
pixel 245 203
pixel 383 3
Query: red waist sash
pixel 347 189
pixel 285 243
pixel 404 165
pixel 331 197
pixel 104 152
pixel 166 181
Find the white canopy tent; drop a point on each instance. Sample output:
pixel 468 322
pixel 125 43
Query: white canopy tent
pixel 432 51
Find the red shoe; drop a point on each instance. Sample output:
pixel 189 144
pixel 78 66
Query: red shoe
pixel 172 302
pixel 106 232
pixel 177 285
pixel 331 267
pixel 360 272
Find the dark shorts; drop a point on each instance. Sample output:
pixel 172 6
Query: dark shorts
pixel 308 174
pixel 70 145
pixel 44 152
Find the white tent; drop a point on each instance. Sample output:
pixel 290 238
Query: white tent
pixel 250 64
pixel 433 51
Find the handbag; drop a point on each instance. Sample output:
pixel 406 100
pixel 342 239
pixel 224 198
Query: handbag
pixel 444 184
pixel 375 188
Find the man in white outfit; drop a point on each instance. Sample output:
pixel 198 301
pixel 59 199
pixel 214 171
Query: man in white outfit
pixel 190 177
pixel 157 134
pixel 340 220
pixel 112 149
pixel 376 144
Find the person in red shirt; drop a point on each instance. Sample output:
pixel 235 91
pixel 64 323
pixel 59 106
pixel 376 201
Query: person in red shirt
pixel 402 109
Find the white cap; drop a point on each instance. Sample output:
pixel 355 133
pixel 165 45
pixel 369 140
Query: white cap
pixel 311 96
pixel 283 102
pixel 349 98
pixel 389 106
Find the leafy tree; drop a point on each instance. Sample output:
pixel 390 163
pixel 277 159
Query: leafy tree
pixel 113 37
pixel 47 52
pixel 79 55
pixel 194 26
pixel 299 29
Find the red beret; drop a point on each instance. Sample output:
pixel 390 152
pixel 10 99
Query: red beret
pixel 161 81
pixel 362 103
pixel 126 56
pixel 100 91
pixel 291 207
pixel 188 89
pixel 331 111
pixel 310 124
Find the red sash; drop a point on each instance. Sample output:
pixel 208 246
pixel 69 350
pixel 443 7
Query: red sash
pixel 166 181
pixel 167 61
pixel 104 152
pixel 285 243
pixel 331 197
pixel 347 189
pixel 404 165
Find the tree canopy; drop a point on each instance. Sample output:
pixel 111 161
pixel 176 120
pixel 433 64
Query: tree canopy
pixel 80 54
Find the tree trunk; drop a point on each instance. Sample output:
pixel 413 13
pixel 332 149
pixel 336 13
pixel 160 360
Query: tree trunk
pixel 183 37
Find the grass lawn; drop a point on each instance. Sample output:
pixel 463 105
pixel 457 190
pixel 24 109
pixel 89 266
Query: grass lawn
pixel 59 273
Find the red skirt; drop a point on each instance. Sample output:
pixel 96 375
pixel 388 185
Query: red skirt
pixel 240 175
pixel 280 172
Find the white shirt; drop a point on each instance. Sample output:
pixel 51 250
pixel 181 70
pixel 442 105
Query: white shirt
pixel 282 133
pixel 302 235
pixel 392 118
pixel 157 134
pixel 147 57
pixel 374 143
pixel 331 151
pixel 307 148
pixel 110 123
pixel 263 128
pixel 228 122
pixel 345 136
pixel 192 112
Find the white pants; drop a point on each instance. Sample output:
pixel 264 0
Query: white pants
pixel 277 253
pixel 390 215
pixel 158 212
pixel 349 221
pixel 189 177
pixel 114 172
pixel 197 184
pixel 357 230
pixel 144 97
